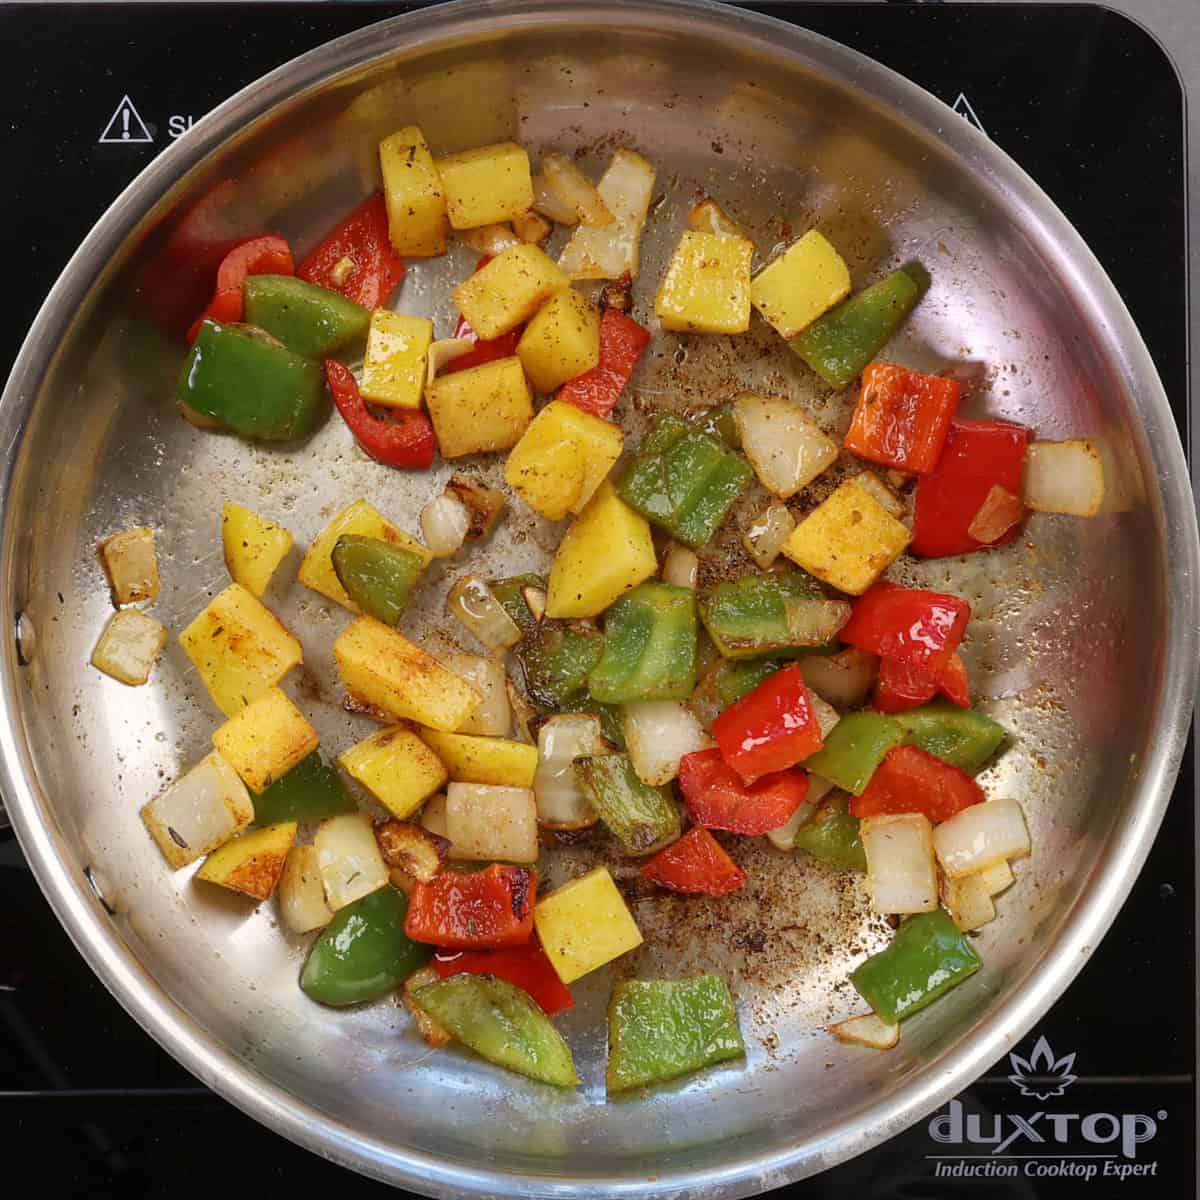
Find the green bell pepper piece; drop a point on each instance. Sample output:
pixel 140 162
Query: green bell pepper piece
pixel 683 480
pixel 856 745
pixel 748 617
pixel 557 660
pixel 650 646
pixel 252 383
pixel 306 318
pixel 637 815
pixel 311 791
pixel 961 737
pixel 831 835
pixel 739 677
pixel 719 422
pixel 363 952
pixel 377 576
pixel 501 1023
pixel 927 957
pixel 660 1029
pixel 510 593
pixel 840 343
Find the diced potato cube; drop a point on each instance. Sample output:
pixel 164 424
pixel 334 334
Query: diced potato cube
pixel 199 811
pixel 606 551
pixel 416 201
pixel 493 718
pixel 707 285
pixel 316 571
pixel 252 863
pixel 302 903
pixel 397 768
pixel 383 668
pixel 998 877
pixel 129 646
pixel 968 901
pixel 487 823
pixel 433 819
pixel 132 564
pixel 562 459
pixel 562 340
pixel 254 547
pixel 807 279
pixel 848 540
pixel 509 290
pixel 348 859
pixel 480 408
pixel 266 740
pixel 585 924
pixel 394 362
pixel 240 648
pixel 494 760
pixel 486 185
pixel 1064 477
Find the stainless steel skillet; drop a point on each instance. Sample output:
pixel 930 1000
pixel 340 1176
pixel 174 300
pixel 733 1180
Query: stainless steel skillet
pixel 1084 643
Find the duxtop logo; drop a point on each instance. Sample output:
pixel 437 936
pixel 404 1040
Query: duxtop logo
pixel 1041 1075
pixel 1046 1143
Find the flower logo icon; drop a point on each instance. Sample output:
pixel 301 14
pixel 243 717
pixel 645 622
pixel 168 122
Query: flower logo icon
pixel 1042 1076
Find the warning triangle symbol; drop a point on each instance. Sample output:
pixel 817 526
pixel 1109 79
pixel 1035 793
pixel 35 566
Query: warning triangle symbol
pixel 125 127
pixel 962 106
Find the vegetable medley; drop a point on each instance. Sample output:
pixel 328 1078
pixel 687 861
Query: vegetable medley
pixel 631 695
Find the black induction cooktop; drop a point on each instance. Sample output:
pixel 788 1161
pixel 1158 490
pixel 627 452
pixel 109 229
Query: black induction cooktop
pixel 1099 1100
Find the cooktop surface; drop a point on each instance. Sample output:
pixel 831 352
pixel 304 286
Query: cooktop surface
pixel 1099 1099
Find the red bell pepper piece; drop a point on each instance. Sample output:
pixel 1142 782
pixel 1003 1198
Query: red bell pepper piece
pixel 771 728
pixel 696 864
pixel 717 798
pixel 622 343
pixel 404 440
pixel 977 455
pixel 902 418
pixel 526 967
pixel 483 910
pixel 362 237
pixel 908 625
pixel 270 255
pixel 911 781
pixel 901 686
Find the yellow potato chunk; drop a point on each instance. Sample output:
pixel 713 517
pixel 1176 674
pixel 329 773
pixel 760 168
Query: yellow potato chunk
pixel 585 924
pixel 266 740
pixel 382 668
pixel 707 285
pixel 254 547
pixel 132 564
pixel 562 341
pixel 848 540
pixel 252 863
pixel 240 648
pixel 493 760
pixel 562 458
pixel 486 185
pixel 394 363
pixel 316 571
pixel 481 408
pixel 606 551
pixel 129 646
pixel 416 201
pixel 509 290
pixel 793 290
pixel 397 768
